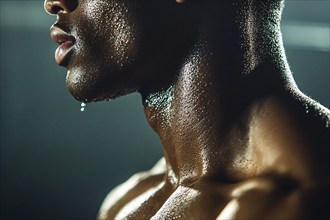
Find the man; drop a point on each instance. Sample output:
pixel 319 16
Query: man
pixel 240 140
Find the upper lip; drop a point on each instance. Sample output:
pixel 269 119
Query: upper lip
pixel 60 36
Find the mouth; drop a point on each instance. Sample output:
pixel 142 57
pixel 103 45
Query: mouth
pixel 65 41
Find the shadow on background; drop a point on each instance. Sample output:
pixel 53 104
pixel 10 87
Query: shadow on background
pixel 58 162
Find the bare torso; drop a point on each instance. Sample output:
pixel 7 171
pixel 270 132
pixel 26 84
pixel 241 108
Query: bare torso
pixel 263 197
pixel 239 138
pixel 286 186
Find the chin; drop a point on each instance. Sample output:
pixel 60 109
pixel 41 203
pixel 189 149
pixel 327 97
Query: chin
pixel 93 88
pixel 82 93
pixel 81 87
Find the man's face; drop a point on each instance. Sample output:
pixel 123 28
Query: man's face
pixel 113 47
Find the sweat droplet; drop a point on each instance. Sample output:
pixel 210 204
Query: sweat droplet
pixel 82 107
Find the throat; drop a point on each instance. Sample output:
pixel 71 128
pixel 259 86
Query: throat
pixel 203 117
pixel 193 125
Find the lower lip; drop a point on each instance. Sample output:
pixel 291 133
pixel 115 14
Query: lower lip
pixel 62 53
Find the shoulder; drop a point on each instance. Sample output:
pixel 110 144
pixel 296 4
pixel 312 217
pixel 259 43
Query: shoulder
pixel 296 109
pixel 134 186
pixel 276 197
pixel 296 129
pixel 296 119
pixel 314 201
pixel 304 202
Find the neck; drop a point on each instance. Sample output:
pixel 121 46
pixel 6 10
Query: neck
pixel 202 116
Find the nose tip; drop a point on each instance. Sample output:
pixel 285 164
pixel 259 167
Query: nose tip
pixel 60 6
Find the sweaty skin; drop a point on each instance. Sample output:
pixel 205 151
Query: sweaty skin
pixel 240 140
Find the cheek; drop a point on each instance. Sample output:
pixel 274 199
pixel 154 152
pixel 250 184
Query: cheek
pixel 110 31
pixel 106 46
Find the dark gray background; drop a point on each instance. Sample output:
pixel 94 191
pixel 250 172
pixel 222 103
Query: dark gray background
pixel 58 162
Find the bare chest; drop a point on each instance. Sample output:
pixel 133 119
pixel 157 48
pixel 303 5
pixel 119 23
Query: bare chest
pixel 202 201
